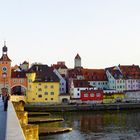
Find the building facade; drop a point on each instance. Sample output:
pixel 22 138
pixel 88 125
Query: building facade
pixel 92 96
pixel 62 82
pixel 43 85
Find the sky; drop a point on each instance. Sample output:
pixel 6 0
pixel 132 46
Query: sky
pixel 103 32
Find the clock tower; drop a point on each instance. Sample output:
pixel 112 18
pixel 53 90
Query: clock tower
pixel 5 69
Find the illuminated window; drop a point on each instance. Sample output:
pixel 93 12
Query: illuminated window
pixel 98 94
pixel 92 95
pixel 86 95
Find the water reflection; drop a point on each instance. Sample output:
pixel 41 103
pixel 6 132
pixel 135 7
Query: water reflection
pixel 112 125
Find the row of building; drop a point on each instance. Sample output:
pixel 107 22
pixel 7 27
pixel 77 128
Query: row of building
pixel 57 83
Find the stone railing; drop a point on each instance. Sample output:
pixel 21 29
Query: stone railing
pixel 14 130
pixel 27 131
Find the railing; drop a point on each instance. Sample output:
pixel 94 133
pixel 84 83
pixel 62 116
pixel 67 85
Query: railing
pixel 14 130
pixel 17 123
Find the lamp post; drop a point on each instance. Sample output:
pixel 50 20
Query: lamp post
pixel 4 77
pixel 4 90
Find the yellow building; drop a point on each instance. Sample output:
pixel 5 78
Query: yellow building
pixel 118 96
pixel 43 85
pixel 113 97
pixel 108 98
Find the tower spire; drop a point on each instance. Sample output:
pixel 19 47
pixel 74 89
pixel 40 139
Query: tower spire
pixel 4 49
pixel 4 43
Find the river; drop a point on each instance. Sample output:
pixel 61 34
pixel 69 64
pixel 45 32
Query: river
pixel 108 125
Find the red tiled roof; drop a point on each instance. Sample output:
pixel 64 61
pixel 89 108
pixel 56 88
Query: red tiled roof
pixel 5 58
pixel 81 83
pixel 60 64
pixel 130 71
pixel 73 73
pixel 18 74
pixel 94 74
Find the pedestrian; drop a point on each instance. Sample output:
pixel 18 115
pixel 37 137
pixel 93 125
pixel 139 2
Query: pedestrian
pixel 6 97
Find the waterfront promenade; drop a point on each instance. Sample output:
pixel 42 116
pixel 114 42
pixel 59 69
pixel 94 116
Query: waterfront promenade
pixel 3 120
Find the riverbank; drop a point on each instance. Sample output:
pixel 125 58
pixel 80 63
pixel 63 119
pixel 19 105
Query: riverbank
pixel 82 107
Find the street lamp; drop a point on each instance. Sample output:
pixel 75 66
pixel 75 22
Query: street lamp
pixel 4 77
pixel 4 90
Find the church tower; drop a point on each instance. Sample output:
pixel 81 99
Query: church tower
pixel 5 69
pixel 77 61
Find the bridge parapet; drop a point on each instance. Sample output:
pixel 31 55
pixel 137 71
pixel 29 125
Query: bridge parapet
pixel 26 131
pixel 14 130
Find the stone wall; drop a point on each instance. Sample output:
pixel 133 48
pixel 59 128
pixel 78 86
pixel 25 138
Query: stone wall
pixel 30 131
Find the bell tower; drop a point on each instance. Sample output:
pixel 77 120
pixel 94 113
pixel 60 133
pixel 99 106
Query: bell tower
pixel 5 69
pixel 77 61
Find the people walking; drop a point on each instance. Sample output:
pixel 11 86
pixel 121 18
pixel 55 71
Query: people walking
pixel 5 100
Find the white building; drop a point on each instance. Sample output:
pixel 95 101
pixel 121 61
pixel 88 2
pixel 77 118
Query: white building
pixel 131 74
pixel 76 86
pixel 116 79
pixel 62 82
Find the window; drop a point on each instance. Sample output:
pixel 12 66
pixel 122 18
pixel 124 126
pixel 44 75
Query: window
pixel 62 83
pixel 51 86
pixel 78 94
pixel 78 89
pixel 51 98
pixel 46 93
pixel 46 98
pixel 45 86
pixel 39 84
pixel 39 96
pixel 39 89
pixel 92 95
pixel 98 94
pixel 93 83
pixel 86 95
pixel 52 93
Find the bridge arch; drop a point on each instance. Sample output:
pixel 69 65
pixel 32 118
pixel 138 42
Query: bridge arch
pixel 18 89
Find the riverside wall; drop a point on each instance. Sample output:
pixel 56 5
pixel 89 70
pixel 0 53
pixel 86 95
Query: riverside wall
pixel 82 107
